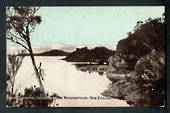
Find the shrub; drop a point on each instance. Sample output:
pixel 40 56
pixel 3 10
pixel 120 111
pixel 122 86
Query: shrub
pixel 32 97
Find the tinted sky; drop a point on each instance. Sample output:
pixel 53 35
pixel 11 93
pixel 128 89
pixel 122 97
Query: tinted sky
pixel 89 25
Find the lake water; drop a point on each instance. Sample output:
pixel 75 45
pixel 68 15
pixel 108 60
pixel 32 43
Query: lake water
pixel 61 77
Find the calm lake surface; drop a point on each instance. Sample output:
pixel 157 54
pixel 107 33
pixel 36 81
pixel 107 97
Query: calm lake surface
pixel 61 77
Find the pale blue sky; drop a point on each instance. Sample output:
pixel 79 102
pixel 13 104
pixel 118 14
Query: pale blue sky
pixel 89 25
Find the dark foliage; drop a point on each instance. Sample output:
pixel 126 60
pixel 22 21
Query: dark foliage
pixel 32 97
pixel 85 54
pixel 143 50
pixel 147 36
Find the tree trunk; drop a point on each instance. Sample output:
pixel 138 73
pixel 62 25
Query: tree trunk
pixel 12 88
pixel 35 67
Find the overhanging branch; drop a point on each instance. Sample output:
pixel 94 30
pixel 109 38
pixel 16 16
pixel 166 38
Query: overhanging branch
pixel 17 43
pixel 18 38
pixel 22 45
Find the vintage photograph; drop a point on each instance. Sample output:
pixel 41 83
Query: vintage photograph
pixel 73 56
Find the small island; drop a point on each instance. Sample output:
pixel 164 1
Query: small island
pixel 48 53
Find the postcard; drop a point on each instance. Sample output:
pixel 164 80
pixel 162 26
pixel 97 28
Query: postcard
pixel 72 56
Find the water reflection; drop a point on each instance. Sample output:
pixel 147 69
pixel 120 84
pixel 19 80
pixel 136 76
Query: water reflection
pixel 64 79
pixel 100 69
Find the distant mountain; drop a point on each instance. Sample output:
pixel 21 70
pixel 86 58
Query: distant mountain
pixel 85 54
pixel 50 53
pixel 49 47
pixel 43 48
pixel 53 53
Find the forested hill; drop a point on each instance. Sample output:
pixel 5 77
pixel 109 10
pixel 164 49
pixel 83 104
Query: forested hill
pixel 85 54
pixel 143 56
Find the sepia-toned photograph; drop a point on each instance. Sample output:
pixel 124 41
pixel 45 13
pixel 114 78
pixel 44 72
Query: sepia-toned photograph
pixel 72 56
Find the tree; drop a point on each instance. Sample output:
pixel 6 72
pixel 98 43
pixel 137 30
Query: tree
pixel 13 64
pixel 148 78
pixel 146 45
pixel 147 36
pixel 20 22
